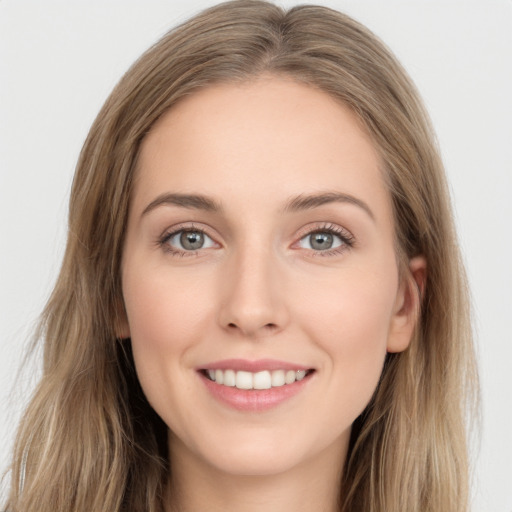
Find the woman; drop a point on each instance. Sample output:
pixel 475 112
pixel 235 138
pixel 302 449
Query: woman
pixel 261 304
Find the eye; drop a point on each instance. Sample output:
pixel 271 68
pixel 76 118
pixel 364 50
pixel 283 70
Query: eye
pixel 187 240
pixel 326 240
pixel 320 241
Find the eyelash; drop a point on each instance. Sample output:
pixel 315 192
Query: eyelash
pixel 347 239
pixel 345 236
pixel 163 241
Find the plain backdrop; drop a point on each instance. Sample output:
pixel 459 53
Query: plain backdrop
pixel 60 59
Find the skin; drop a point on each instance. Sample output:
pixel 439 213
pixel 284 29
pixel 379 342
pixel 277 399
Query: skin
pixel 259 290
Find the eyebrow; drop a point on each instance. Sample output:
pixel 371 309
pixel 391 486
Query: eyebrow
pixel 299 203
pixel 307 202
pixel 190 201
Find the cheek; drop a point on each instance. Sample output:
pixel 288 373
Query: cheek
pixel 349 319
pixel 167 317
pixel 164 311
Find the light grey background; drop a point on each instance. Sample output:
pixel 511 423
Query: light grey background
pixel 60 59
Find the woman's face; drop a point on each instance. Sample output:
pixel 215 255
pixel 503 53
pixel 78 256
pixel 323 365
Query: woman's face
pixel 260 254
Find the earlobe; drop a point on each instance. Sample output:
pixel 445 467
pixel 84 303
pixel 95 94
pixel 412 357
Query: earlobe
pixel 408 305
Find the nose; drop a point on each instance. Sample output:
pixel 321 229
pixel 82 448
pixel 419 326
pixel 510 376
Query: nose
pixel 253 295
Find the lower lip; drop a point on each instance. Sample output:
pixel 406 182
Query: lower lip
pixel 254 399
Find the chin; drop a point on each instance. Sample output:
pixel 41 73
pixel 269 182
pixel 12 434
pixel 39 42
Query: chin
pixel 256 453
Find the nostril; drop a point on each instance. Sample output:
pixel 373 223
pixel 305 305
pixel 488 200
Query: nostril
pixel 265 328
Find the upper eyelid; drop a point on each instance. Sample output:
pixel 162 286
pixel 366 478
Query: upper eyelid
pixel 301 233
pixel 326 226
pixel 185 226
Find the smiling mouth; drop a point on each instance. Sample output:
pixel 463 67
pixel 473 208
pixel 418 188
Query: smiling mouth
pixel 265 379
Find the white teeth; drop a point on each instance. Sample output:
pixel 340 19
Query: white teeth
pixel 300 374
pixel 277 378
pixel 260 380
pixel 230 378
pixel 243 380
pixel 289 378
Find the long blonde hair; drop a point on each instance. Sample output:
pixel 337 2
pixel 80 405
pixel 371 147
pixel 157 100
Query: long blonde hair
pixel 89 441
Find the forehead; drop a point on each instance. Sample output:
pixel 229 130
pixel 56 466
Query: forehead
pixel 268 138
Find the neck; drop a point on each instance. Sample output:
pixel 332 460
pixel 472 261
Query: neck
pixel 313 485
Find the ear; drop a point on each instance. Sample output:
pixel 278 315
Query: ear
pixel 121 326
pixel 407 305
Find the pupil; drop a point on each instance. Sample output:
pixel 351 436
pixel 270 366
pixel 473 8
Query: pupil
pixel 321 241
pixel 192 240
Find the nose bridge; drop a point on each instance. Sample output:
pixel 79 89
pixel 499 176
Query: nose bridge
pixel 253 301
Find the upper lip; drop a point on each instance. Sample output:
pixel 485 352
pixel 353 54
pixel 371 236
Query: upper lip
pixel 253 366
